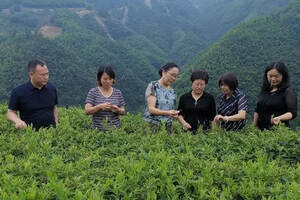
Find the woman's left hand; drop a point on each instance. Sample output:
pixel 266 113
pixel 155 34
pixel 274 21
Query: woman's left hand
pixel 115 109
pixel 275 120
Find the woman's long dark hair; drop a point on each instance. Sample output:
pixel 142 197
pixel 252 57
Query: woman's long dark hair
pixel 281 68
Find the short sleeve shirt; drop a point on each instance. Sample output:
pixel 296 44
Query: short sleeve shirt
pixel 165 100
pixel 36 106
pixel 227 107
pixel 95 97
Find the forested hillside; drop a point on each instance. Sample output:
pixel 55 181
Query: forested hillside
pixel 248 48
pixel 137 37
pixel 219 16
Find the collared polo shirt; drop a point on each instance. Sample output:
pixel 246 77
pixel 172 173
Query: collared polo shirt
pixel 36 106
pixel 228 107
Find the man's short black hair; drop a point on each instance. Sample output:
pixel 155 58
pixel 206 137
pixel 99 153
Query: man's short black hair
pixel 199 75
pixel 105 69
pixel 230 80
pixel 33 64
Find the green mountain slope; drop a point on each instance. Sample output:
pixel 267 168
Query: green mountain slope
pixel 137 37
pixel 224 14
pixel 82 51
pixel 179 28
pixel 66 70
pixel 248 48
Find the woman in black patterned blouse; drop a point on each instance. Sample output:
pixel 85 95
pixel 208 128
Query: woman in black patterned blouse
pixel 277 101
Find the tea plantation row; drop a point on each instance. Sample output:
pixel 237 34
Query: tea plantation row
pixel 76 162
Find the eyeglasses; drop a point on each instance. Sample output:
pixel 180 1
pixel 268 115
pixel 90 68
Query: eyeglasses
pixel 175 76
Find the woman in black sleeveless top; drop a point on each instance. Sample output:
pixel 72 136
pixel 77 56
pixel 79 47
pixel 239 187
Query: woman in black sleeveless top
pixel 277 101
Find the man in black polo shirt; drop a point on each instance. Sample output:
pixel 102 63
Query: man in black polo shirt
pixel 36 100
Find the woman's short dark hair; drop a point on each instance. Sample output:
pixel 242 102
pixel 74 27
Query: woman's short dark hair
pixel 167 67
pixel 230 80
pixel 282 69
pixel 105 69
pixel 199 75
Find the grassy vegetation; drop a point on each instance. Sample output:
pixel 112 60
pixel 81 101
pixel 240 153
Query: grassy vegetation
pixel 76 162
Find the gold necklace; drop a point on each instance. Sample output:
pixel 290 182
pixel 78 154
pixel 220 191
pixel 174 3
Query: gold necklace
pixel 110 92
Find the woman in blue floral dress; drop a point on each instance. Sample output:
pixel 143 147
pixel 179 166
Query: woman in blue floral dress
pixel 161 99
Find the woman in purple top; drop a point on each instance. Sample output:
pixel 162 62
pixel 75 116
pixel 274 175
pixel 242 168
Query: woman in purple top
pixel 105 102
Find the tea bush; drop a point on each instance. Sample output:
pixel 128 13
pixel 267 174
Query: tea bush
pixel 77 162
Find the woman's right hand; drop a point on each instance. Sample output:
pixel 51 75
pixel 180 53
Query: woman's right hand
pixel 173 113
pixel 20 124
pixel 186 126
pixel 105 106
